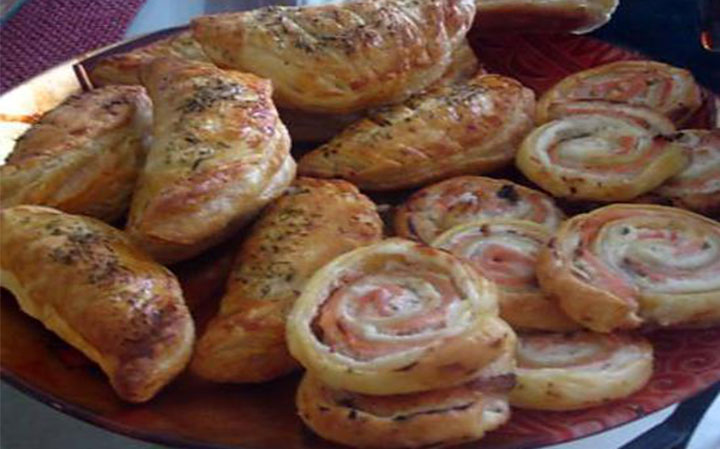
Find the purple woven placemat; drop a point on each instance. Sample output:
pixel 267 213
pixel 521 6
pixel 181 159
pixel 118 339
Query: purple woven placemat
pixel 44 33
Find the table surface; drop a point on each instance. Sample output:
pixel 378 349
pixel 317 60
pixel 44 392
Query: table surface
pixel 663 29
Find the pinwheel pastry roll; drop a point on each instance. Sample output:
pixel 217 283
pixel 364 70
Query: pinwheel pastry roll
pixel 547 16
pixel 314 222
pixel 124 68
pixel 443 416
pixel 85 281
pixel 602 156
pixel 340 58
pixel 83 156
pixel 505 251
pixel 466 128
pixel 698 186
pixel 219 154
pixel 668 90
pixel 396 317
pixel 624 265
pixel 436 208
pixel 579 370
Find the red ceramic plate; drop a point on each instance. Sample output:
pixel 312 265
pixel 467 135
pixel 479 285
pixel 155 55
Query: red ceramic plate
pixel 193 413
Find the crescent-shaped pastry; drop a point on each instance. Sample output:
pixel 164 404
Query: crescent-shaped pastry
pixel 580 370
pixel 219 154
pixel 87 282
pixel 668 90
pixel 505 251
pixel 82 157
pixel 340 58
pixel 630 264
pixel 601 156
pixel 124 68
pixel 546 16
pixel 698 186
pixel 457 129
pixel 292 240
pixel 436 208
pixel 396 317
pixel 437 417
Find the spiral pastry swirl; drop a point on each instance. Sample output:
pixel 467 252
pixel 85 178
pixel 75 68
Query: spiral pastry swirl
pixel 601 156
pixel 396 317
pixel 580 370
pixel 505 251
pixel 698 186
pixel 443 416
pixel 439 207
pixel 625 265
pixel 667 90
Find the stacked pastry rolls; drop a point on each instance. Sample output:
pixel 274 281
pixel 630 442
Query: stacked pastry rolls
pixel 395 336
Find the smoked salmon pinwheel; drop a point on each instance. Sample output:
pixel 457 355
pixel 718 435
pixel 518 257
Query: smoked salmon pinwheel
pixel 505 251
pixel 602 156
pixel 439 207
pixel 580 370
pixel 626 265
pixel 668 90
pixel 698 186
pixel 438 417
pixel 396 317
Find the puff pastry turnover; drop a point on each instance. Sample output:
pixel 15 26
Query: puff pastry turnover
pixel 581 370
pixel 124 68
pixel 436 208
pixel 505 251
pixel 115 304
pixel 438 417
pixel 630 264
pixel 457 129
pixel 603 155
pixel 340 58
pixel 668 90
pixel 315 221
pixel 396 317
pixel 83 156
pixel 546 16
pixel 219 154
pixel 697 187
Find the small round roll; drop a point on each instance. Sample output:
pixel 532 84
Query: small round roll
pixel 626 265
pixel 439 207
pixel 698 186
pixel 668 90
pixel 580 370
pixel 396 317
pixel 600 156
pixel 443 416
pixel 505 251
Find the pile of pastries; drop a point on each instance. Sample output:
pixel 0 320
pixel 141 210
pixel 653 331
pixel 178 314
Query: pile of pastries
pixel 475 295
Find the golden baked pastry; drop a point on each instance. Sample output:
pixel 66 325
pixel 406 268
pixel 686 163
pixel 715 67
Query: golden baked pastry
pixel 668 90
pixel 464 65
pixel 437 417
pixel 124 68
pixel 85 281
pixel 340 58
pixel 219 154
pixel 603 155
pixel 624 265
pixel 436 208
pixel 697 187
pixel 546 16
pixel 396 317
pixel 82 157
pixel 314 222
pixel 467 128
pixel 580 370
pixel 505 251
